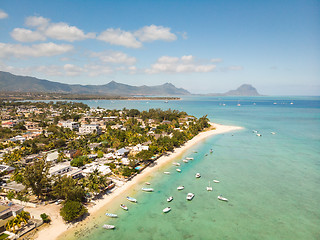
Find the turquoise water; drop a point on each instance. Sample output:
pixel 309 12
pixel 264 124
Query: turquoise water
pixel 272 182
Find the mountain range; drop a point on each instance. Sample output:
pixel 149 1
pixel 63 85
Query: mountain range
pixel 14 83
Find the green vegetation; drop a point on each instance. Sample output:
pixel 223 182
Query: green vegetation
pixel 45 218
pixel 72 210
pixel 21 218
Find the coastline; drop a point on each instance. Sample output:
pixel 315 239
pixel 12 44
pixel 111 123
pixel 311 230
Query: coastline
pixel 58 227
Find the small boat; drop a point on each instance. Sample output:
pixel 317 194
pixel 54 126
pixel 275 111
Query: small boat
pixel 165 101
pixel 190 196
pixel 185 160
pixel 176 164
pixel 178 170
pixel 198 175
pixel 273 133
pixel 111 215
pixel 107 226
pixel 259 135
pixel 169 199
pixel 147 183
pixel 195 151
pixel 166 210
pixel 166 172
pixel 216 181
pixel 211 151
pixel 124 207
pixel 180 187
pixel 254 131
pixel 209 188
pixel 222 198
pixel 189 158
pixel 131 199
pixel 147 189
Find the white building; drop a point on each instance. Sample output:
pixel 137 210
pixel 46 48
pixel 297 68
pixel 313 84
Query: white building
pixel 69 124
pixel 89 128
pixel 60 169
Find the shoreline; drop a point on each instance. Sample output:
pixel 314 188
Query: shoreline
pixel 58 227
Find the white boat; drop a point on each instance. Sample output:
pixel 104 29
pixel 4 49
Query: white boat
pixel 147 183
pixel 190 196
pixel 209 188
pixel 111 215
pixel 167 209
pixel 216 181
pixel 147 189
pixel 166 172
pixel 211 151
pixel 254 131
pixel 189 158
pixel 178 170
pixel 222 198
pixel 259 135
pixel 107 226
pixel 180 187
pixel 131 199
pixel 169 199
pixel 198 175
pixel 124 207
pixel 176 164
pixel 185 160
pixel 273 133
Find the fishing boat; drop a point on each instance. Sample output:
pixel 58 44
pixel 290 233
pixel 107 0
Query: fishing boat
pixel 107 226
pixel 222 198
pixel 209 188
pixel 259 135
pixel 169 199
pixel 185 160
pixel 147 189
pixel 178 170
pixel 166 172
pixel 216 181
pixel 211 151
pixel 131 199
pixel 147 183
pixel 167 209
pixel 198 175
pixel 190 196
pixel 180 187
pixel 111 215
pixel 189 158
pixel 124 207
pixel 176 164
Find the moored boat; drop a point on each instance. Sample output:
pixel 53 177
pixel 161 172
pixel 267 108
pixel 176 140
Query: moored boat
pixel 147 189
pixel 216 181
pixel 147 183
pixel 167 209
pixel 176 164
pixel 124 207
pixel 131 199
pixel 185 160
pixel 111 215
pixel 189 158
pixel 209 188
pixel 222 198
pixel 107 226
pixel 180 187
pixel 166 172
pixel 178 170
pixel 198 175
pixel 169 199
pixel 190 196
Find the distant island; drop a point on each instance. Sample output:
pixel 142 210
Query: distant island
pixel 16 87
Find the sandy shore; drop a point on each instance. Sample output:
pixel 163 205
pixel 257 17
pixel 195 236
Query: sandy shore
pixel 58 226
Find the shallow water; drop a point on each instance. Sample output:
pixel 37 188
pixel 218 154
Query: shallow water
pixel 272 182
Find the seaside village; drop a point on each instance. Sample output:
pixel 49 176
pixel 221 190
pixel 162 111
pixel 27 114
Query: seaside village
pixel 67 155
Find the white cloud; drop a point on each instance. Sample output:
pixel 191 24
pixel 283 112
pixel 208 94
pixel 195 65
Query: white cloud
pixel 153 33
pixel 72 70
pixel 178 65
pixel 96 70
pixel 115 57
pixel 215 60
pixel 26 35
pixel 3 14
pixel 36 50
pixel 235 68
pixel 62 31
pixel 120 38
pixel 37 22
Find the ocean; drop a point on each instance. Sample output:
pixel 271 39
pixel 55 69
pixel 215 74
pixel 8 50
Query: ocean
pixel 272 182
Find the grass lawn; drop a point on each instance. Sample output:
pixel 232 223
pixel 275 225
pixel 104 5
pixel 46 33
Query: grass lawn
pixel 3 236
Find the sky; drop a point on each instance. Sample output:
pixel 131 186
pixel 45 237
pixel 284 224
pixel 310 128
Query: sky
pixel 203 46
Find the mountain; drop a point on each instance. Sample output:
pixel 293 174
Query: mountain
pixel 14 83
pixel 243 90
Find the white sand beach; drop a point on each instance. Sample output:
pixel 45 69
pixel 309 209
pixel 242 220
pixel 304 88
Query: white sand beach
pixel 58 226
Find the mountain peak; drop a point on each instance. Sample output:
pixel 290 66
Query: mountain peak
pixel 243 90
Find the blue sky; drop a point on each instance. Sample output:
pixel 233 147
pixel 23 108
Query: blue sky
pixel 202 46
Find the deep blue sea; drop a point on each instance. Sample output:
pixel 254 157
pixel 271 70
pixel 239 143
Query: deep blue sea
pixel 272 182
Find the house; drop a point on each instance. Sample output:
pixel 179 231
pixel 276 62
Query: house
pixel 7 169
pixel 89 128
pixel 103 169
pixel 60 169
pixel 8 212
pixel 122 152
pixel 13 186
pixel 69 124
pixel 52 156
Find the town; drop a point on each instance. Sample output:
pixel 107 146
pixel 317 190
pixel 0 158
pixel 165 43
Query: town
pixel 69 154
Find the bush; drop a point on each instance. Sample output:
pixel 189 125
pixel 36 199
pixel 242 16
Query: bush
pixel 72 210
pixel 45 218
